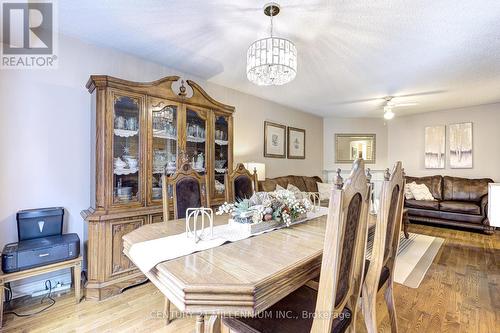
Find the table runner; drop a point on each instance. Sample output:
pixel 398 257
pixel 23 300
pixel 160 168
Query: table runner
pixel 148 254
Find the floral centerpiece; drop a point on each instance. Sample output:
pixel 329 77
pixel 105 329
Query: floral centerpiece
pixel 281 206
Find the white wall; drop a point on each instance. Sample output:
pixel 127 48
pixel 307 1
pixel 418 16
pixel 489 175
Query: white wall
pixel 406 140
pixel 45 131
pixel 402 139
pixel 332 126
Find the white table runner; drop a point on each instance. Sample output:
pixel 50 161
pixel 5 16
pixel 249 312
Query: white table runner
pixel 148 254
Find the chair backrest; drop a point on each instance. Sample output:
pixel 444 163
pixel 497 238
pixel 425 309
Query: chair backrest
pixel 387 230
pixel 240 184
pixel 189 191
pixel 344 250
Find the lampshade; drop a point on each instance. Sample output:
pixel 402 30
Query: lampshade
pixel 494 204
pixel 260 167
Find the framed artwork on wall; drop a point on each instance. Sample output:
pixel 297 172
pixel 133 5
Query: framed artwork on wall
pixel 274 140
pixel 435 147
pixel 296 143
pixel 460 149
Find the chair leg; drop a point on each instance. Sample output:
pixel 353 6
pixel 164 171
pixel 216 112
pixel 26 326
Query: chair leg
pixel 391 306
pixel 166 310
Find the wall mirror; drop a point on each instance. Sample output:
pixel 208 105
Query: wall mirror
pixel 349 147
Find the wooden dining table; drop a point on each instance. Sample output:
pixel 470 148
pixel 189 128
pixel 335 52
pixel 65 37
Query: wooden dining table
pixel 242 278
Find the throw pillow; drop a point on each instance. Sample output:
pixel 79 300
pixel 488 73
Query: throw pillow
pixel 421 192
pixel 408 194
pixel 279 188
pixel 325 190
pixel 295 190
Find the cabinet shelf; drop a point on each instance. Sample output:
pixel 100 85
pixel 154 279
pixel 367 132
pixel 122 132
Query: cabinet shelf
pixel 123 133
pixel 163 135
pixel 221 142
pixel 195 139
pixel 121 172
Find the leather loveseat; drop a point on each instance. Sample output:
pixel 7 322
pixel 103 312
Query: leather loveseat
pixel 459 202
pixel 304 183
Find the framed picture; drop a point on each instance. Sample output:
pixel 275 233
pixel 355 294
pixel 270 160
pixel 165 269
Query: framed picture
pixel 460 146
pixel 349 147
pixel 296 143
pixel 274 140
pixel 435 147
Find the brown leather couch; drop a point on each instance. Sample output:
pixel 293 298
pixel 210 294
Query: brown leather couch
pixel 460 202
pixel 304 183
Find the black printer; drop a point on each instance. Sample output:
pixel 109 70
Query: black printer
pixel 41 241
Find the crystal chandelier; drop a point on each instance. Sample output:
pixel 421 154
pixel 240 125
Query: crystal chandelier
pixel 272 60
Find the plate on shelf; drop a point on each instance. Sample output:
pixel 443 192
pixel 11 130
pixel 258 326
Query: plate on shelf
pixel 121 172
pixel 221 142
pixel 195 139
pixel 125 133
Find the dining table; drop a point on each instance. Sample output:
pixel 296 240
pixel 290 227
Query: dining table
pixel 242 278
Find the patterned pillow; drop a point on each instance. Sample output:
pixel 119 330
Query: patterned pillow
pixel 408 194
pixel 421 192
pixel 279 188
pixel 296 191
pixel 325 190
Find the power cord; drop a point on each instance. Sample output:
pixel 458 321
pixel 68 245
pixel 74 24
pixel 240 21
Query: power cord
pixel 48 285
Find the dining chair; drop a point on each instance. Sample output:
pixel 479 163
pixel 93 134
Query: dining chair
pixel 189 190
pixel 380 268
pixel 333 307
pixel 240 184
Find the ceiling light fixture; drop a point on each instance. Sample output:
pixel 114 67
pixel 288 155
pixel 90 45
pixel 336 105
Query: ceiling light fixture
pixel 388 114
pixel 272 60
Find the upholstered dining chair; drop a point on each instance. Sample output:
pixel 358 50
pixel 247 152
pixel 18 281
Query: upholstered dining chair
pixel 333 307
pixel 189 190
pixel 240 184
pixel 380 270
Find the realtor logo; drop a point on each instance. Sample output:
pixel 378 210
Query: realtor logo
pixel 28 35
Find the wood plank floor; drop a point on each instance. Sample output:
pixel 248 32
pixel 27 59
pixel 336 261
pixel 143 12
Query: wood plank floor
pixel 460 293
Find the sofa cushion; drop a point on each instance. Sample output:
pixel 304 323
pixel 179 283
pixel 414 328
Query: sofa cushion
pixel 443 215
pixel 423 204
pixel 267 185
pixel 310 183
pixel 460 207
pixel 463 189
pixel 434 183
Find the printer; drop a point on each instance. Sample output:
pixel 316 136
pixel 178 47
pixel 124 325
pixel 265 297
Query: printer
pixel 41 241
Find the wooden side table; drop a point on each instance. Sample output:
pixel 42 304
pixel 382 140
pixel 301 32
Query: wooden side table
pixel 74 264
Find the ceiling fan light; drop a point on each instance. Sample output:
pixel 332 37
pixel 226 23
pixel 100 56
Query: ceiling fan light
pixel 388 115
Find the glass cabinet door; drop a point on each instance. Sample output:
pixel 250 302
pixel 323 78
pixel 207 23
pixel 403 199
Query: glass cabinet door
pixel 164 145
pixel 221 150
pixel 196 150
pixel 126 149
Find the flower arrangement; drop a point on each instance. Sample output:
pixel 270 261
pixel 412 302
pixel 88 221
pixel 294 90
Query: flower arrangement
pixel 281 205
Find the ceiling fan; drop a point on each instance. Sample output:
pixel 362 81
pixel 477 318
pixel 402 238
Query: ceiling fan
pixel 390 104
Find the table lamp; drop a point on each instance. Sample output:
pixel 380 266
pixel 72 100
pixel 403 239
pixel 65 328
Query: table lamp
pixel 494 204
pixel 260 167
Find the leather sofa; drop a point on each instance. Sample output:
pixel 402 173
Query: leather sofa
pixel 459 202
pixel 304 183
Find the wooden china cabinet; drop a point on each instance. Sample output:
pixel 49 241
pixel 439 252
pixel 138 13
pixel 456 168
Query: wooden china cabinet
pixel 139 130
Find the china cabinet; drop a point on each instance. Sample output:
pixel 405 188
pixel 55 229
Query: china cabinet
pixel 139 131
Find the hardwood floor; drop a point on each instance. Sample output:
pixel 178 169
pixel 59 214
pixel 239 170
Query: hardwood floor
pixel 460 293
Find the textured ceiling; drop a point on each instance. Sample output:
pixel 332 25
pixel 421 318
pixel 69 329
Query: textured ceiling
pixel 445 51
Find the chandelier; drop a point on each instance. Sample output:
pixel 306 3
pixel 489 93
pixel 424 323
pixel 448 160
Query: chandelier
pixel 272 60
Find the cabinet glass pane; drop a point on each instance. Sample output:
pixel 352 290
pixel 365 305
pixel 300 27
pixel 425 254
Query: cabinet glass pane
pixel 164 146
pixel 195 141
pixel 126 149
pixel 221 154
